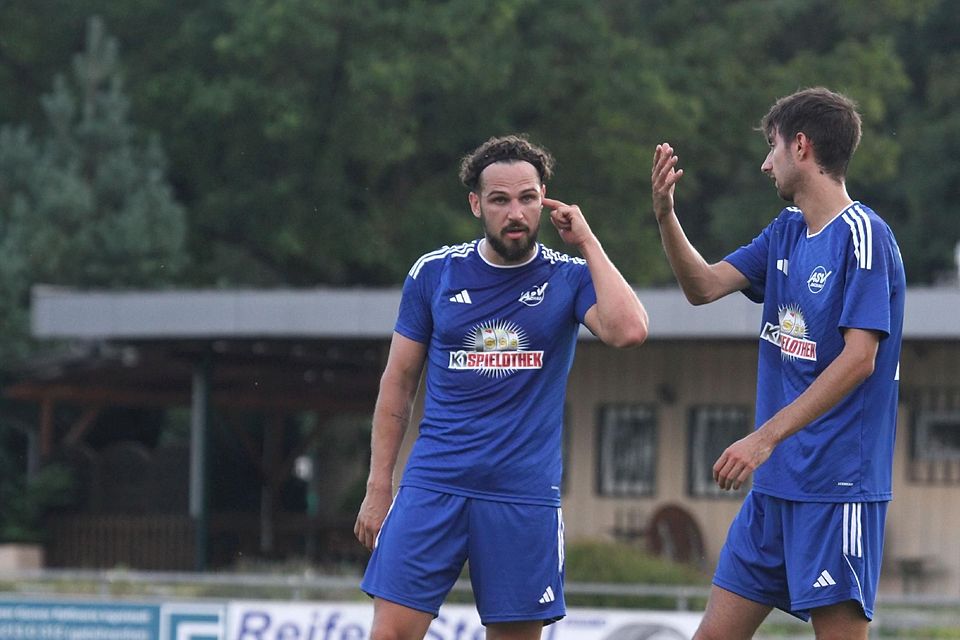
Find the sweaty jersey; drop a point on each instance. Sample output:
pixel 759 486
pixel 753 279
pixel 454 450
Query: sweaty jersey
pixel 812 286
pixel 500 343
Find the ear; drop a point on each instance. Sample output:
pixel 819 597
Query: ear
pixel 474 200
pixel 803 146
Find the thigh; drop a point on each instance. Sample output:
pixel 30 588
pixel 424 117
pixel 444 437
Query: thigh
pixel 515 630
pixel 730 617
pixel 392 621
pixel 420 551
pixel 842 621
pixel 516 562
pixel 751 562
pixel 834 554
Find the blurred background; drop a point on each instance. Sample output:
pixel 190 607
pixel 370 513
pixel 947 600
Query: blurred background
pixel 289 145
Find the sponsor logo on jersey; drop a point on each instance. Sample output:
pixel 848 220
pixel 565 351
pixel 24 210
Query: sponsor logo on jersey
pixel 817 280
pixel 535 296
pixel 790 335
pixel 495 348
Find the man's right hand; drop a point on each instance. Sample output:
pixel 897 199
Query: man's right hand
pixel 373 511
pixel 664 178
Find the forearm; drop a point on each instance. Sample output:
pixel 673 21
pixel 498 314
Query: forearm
pixel 841 377
pixel 621 316
pixel 391 417
pixel 693 273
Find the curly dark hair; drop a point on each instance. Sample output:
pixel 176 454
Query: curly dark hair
pixel 512 148
pixel 828 118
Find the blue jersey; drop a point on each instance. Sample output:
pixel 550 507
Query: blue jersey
pixel 500 343
pixel 812 286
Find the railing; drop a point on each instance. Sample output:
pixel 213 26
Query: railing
pixel 295 586
pixel 898 615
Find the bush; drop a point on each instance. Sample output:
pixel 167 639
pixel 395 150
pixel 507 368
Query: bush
pixel 618 563
pixel 26 501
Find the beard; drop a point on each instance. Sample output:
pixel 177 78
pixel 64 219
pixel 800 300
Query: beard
pixel 785 195
pixel 508 249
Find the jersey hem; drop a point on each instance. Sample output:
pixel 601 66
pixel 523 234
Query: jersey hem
pixel 480 495
pixel 834 499
pixel 807 605
pixel 545 618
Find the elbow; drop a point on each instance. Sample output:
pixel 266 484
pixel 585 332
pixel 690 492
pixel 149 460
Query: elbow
pixel 631 337
pixel 698 298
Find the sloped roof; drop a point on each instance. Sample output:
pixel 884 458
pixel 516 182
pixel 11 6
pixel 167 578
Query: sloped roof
pixel 329 313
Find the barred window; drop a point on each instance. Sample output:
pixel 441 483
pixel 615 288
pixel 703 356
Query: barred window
pixel 934 435
pixel 938 435
pixel 627 450
pixel 712 428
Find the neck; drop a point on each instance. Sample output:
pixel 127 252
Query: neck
pixel 492 256
pixel 822 201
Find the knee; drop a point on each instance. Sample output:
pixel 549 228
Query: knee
pixel 708 632
pixel 385 632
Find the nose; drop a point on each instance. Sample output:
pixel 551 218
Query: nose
pixel 767 165
pixel 515 211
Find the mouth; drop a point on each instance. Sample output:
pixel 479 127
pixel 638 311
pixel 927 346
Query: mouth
pixel 515 233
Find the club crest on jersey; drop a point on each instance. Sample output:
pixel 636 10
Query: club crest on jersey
pixel 534 296
pixel 495 349
pixel 817 280
pixel 791 335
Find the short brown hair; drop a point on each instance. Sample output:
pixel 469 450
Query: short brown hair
pixel 828 118
pixel 512 148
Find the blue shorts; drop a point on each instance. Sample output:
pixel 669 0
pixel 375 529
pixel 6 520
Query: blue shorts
pixel 515 554
pixel 798 556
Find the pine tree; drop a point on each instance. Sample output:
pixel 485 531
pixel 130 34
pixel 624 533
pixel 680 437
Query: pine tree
pixel 85 202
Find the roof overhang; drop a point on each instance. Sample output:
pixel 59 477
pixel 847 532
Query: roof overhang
pixel 328 313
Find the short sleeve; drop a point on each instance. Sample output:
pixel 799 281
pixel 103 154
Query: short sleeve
pixel 586 294
pixel 415 319
pixel 871 267
pixel 751 261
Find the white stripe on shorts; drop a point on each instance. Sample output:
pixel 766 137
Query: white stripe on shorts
pixel 852 538
pixel 560 552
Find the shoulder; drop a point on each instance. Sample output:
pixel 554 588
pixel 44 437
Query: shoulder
pixel 867 235
pixel 860 215
pixel 863 224
pixel 435 259
pixel 555 257
pixel 789 217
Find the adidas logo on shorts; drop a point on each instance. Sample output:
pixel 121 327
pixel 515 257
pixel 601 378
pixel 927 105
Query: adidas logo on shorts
pixel 825 580
pixel 547 596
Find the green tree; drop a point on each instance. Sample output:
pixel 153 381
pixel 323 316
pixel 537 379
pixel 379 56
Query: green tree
pixel 85 202
pixel 316 141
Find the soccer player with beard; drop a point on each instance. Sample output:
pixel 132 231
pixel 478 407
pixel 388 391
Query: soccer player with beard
pixel 497 320
pixel 809 536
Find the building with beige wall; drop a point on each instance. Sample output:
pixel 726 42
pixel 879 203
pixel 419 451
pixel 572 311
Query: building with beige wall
pixel 643 426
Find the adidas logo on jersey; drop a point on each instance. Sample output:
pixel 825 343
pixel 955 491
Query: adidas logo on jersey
pixel 825 580
pixel 547 596
pixel 463 297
